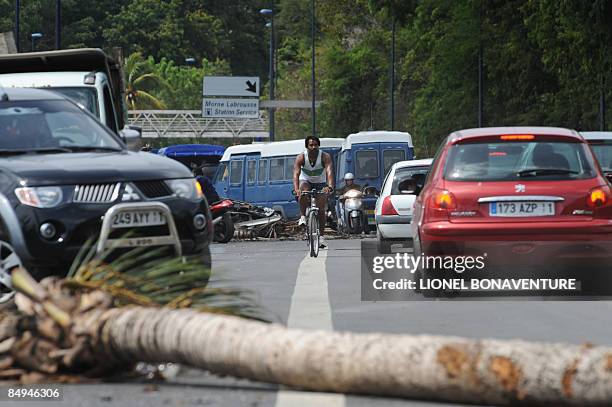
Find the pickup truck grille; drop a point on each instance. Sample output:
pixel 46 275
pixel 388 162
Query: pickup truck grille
pixel 153 189
pixel 96 193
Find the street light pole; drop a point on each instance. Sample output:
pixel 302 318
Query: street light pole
pixel 270 13
pixel 602 104
pixel 17 24
pixel 392 85
pixel 58 24
pixel 272 75
pixel 312 71
pixel 480 71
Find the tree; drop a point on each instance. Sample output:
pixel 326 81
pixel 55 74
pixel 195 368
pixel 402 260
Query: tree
pixel 140 76
pixel 184 83
pixel 92 334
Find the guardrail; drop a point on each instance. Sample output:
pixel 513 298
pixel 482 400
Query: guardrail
pixel 190 123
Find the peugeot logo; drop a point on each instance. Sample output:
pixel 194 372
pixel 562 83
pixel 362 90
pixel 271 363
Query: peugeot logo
pixel 519 188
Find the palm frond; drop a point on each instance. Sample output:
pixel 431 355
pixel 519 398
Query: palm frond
pixel 144 99
pixel 149 277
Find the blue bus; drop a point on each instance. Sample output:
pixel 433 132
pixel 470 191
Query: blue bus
pixel 262 173
pixel 369 155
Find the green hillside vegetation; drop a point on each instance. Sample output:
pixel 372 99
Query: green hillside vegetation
pixel 545 61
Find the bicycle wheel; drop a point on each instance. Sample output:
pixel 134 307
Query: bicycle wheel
pixel 313 233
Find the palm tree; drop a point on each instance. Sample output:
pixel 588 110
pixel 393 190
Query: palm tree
pixel 84 333
pixel 140 76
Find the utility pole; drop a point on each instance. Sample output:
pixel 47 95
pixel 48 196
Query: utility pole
pixel 17 24
pixel 272 74
pixel 602 103
pixel 312 71
pixel 58 24
pixel 480 72
pixel 269 13
pixel 392 85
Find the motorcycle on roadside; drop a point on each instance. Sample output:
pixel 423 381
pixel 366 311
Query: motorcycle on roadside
pixel 222 220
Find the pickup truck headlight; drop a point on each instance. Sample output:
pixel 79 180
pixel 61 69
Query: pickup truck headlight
pixel 185 188
pixel 39 197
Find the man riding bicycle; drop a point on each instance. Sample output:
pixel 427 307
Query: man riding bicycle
pixel 310 171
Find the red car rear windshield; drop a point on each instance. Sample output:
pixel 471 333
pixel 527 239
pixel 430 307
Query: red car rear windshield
pixel 511 161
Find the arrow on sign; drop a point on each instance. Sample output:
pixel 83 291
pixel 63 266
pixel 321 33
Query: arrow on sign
pixel 251 87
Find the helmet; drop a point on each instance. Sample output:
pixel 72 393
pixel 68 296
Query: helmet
pixel 349 175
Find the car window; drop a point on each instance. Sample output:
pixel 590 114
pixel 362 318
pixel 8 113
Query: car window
pixel 390 157
pixel 263 170
pixel 109 109
pixel 251 171
pixel 289 162
pixel 277 169
pixel 56 123
pixel 222 173
pixel 341 166
pixel 85 97
pixel 366 165
pixel 401 174
pixel 236 172
pixel 499 161
pixel 603 152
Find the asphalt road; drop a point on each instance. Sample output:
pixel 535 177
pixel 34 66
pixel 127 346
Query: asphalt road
pixel 325 293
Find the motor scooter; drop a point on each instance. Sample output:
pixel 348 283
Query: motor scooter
pixel 351 218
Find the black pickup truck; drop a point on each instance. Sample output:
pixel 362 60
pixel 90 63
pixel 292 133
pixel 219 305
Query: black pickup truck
pixel 65 177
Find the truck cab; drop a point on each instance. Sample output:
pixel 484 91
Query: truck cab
pixel 88 76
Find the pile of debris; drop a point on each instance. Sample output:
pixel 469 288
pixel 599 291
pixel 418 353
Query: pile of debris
pixel 252 221
pixel 256 222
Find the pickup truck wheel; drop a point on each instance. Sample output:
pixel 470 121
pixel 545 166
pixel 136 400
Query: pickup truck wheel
pixel 8 261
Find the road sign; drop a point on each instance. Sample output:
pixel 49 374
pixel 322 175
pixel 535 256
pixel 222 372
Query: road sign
pixel 230 108
pixel 231 86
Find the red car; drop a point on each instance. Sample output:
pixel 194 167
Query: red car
pixel 516 195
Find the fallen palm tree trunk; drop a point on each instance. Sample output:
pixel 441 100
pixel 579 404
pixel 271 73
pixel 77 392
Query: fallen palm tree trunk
pixel 424 367
pixel 430 367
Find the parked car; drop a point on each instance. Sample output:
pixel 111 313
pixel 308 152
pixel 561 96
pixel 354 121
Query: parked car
pixel 369 155
pixel 525 196
pixel 395 204
pixel 66 177
pixel 601 144
pixel 262 173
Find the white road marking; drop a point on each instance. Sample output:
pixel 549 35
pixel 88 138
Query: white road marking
pixel 310 309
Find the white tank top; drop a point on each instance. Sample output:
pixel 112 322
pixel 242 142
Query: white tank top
pixel 314 174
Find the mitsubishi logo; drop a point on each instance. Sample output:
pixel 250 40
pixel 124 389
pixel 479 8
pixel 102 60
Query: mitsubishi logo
pixel 519 188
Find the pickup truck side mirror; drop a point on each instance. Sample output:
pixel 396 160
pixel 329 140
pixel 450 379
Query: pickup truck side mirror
pixel 132 136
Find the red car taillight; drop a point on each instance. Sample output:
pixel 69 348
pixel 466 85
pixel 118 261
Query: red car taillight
pixel 440 203
pixel 598 197
pixel 387 207
pixel 442 199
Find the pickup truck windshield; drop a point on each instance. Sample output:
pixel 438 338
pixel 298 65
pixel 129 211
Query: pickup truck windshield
pixel 43 124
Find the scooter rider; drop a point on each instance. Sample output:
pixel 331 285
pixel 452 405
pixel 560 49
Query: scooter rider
pixel 310 171
pixel 349 184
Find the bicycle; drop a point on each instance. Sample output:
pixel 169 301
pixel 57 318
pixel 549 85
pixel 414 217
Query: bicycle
pixel 313 231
